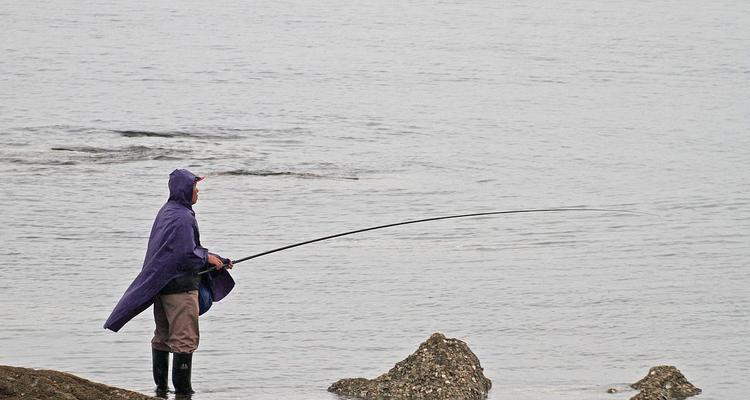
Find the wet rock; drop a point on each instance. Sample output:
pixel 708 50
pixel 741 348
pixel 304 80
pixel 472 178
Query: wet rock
pixel 664 383
pixel 441 368
pixel 30 384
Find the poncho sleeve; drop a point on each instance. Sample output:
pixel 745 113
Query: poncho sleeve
pixel 191 255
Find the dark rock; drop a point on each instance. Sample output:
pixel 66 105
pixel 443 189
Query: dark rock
pixel 31 384
pixel 664 383
pixel 440 369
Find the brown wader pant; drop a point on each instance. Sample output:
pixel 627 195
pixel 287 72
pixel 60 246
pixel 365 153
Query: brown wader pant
pixel 176 317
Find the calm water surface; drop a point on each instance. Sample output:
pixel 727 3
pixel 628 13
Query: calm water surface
pixel 312 118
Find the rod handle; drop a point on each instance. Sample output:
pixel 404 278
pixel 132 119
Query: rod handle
pixel 212 268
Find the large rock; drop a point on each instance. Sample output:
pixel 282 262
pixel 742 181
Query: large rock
pixel 441 368
pixel 30 384
pixel 664 383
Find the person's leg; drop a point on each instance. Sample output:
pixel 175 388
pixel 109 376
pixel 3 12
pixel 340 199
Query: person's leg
pixel 182 366
pixel 182 316
pixel 184 335
pixel 160 350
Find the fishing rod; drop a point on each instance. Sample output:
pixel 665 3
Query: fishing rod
pixel 540 210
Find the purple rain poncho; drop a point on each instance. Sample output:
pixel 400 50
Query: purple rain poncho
pixel 174 249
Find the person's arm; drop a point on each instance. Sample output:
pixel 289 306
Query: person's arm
pixel 192 257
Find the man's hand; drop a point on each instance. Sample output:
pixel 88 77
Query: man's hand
pixel 215 261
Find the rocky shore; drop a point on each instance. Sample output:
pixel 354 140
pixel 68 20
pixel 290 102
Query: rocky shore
pixel 31 384
pixel 446 369
pixel 664 382
pixel 440 369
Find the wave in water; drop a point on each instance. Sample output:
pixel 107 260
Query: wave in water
pixel 304 175
pixel 121 155
pixel 208 133
pixel 129 133
pixel 83 149
pixel 26 161
pixel 175 134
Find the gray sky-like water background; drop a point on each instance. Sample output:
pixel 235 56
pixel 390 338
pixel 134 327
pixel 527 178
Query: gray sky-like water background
pixel 312 118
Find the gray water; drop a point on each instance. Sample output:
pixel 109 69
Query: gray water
pixel 312 118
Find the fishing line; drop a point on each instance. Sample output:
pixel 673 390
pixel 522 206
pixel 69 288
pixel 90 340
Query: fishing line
pixel 427 220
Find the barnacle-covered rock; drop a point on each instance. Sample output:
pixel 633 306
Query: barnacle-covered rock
pixel 31 384
pixel 441 368
pixel 664 383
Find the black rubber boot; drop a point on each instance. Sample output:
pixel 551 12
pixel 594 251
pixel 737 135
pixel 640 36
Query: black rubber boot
pixel 160 364
pixel 182 364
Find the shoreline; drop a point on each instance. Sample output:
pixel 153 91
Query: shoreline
pixel 20 383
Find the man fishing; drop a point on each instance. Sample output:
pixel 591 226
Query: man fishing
pixel 174 281
pixel 170 281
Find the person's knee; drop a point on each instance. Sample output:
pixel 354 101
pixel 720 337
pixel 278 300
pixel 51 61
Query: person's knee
pixel 185 340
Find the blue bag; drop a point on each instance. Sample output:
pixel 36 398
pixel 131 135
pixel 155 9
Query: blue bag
pixel 205 295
